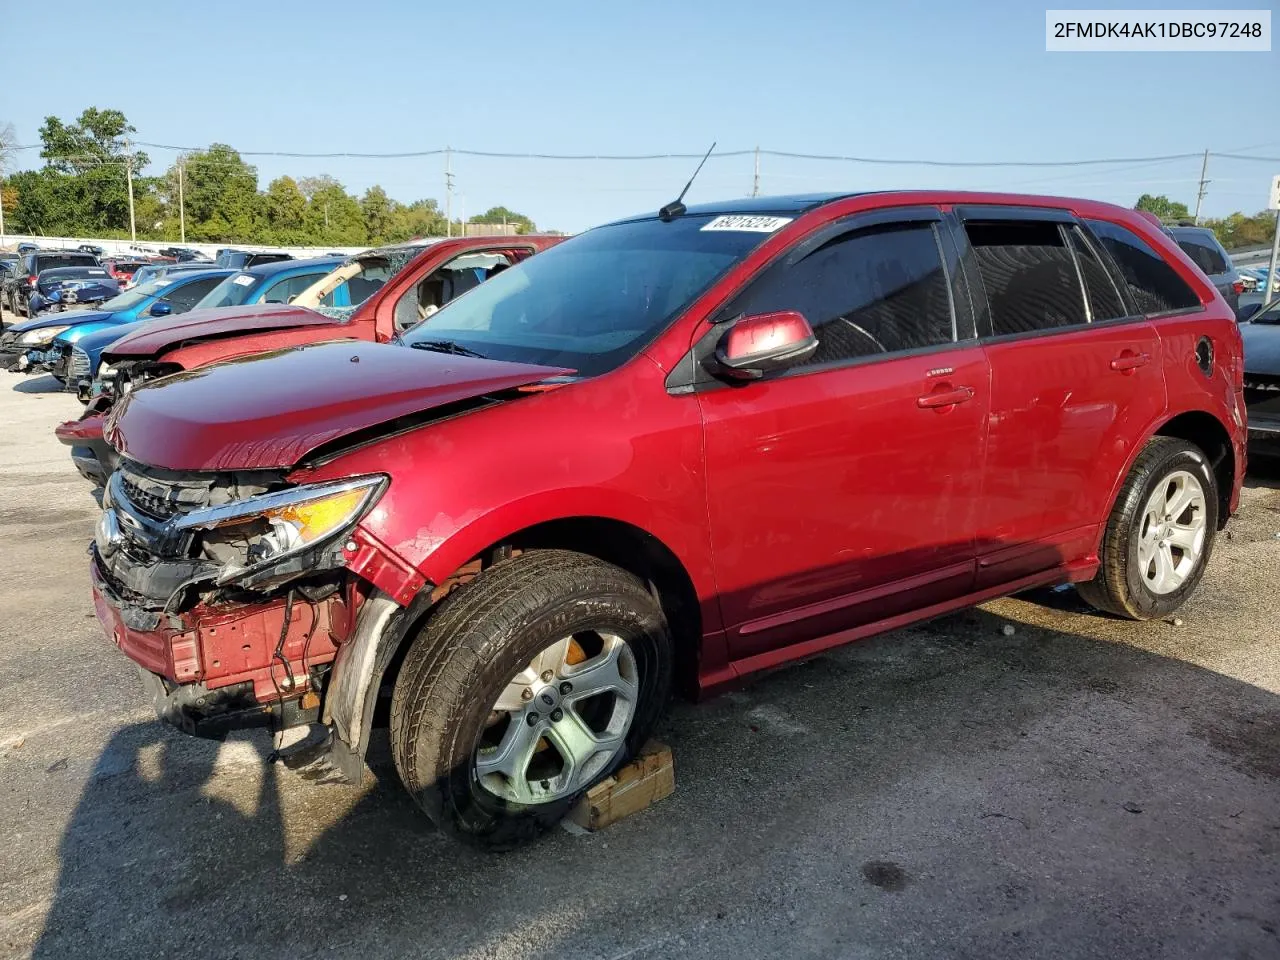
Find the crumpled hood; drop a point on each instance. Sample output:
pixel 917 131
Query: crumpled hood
pixel 214 322
pixel 1261 348
pixel 269 411
pixel 69 318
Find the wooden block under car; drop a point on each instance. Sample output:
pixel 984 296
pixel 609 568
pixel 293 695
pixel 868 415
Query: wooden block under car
pixel 650 777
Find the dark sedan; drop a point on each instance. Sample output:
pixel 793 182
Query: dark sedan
pixel 1261 333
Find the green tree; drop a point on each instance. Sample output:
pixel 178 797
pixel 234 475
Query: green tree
pixel 221 196
pixel 1162 207
pixel 286 211
pixel 379 214
pixel 333 216
pixel 503 215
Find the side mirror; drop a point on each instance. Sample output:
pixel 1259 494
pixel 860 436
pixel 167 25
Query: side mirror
pixel 1247 311
pixel 760 344
pixel 160 309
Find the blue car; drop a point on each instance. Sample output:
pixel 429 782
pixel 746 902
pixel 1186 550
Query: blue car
pixel 28 346
pixel 266 283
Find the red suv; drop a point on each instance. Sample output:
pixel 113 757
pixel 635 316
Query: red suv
pixel 681 447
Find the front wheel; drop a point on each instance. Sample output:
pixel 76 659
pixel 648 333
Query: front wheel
pixel 527 686
pixel 1159 535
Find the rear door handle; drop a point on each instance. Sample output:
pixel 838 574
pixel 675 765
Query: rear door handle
pixel 948 398
pixel 1130 361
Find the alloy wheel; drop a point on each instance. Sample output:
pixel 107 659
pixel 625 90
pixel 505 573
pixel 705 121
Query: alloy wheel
pixel 1171 535
pixel 560 721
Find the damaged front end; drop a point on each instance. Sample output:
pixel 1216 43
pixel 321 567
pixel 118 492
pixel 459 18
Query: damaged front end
pixel 230 591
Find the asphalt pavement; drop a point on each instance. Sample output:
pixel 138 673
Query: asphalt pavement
pixel 1027 779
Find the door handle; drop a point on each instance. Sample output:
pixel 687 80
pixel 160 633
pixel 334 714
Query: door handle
pixel 947 398
pixel 1128 362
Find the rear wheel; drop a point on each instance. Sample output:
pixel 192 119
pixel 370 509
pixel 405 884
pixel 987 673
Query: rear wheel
pixel 527 686
pixel 1159 535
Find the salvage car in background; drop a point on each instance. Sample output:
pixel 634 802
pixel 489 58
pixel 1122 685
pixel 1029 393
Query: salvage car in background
pixel 67 288
pixel 372 296
pixel 682 447
pixel 28 346
pixel 275 282
pixel 1202 246
pixel 29 267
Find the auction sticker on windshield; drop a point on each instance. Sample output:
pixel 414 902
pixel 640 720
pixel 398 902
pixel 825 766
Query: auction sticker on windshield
pixel 747 223
pixel 243 280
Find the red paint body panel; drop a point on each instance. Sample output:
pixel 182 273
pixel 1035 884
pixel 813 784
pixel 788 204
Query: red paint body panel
pixel 1060 418
pixel 248 416
pixel 834 497
pixel 74 432
pixel 152 339
pixel 807 509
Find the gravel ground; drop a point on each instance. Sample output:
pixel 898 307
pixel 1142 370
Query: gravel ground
pixel 1081 787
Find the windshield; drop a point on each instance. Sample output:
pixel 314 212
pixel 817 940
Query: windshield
pixel 136 295
pixel 231 292
pixel 592 302
pixel 1268 314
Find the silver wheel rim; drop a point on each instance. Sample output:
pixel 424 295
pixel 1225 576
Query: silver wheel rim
pixel 560 721
pixel 1171 533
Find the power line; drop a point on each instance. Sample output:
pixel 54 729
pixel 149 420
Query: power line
pixel 722 154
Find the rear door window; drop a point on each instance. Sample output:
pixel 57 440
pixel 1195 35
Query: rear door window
pixel 1105 302
pixel 1154 285
pixel 878 290
pixel 1029 273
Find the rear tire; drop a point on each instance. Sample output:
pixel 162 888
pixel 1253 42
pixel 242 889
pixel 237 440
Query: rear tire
pixel 1155 550
pixel 453 697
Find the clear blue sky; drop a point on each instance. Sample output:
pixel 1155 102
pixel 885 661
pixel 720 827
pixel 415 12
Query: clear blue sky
pixel 941 80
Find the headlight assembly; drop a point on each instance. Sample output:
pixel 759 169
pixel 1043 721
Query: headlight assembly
pixel 275 526
pixel 41 335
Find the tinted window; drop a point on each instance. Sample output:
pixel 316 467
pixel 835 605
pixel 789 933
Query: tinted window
pixel 1104 299
pixel 878 290
pixel 1204 255
pixel 1154 285
pixel 189 294
pixel 1029 274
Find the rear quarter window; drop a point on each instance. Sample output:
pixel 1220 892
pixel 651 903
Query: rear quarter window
pixel 1204 255
pixel 1154 285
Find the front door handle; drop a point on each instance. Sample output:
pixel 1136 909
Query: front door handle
pixel 1128 362
pixel 947 398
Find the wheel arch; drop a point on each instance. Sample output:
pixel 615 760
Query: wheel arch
pixel 1210 434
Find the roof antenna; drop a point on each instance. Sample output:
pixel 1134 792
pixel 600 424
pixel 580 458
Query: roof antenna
pixel 675 207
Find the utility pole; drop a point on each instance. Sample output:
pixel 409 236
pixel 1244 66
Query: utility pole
pixel 1204 185
pixel 182 212
pixel 448 192
pixel 1273 203
pixel 128 172
pixel 755 181
pixel 1 211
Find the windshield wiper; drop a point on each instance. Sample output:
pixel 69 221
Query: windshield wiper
pixel 447 346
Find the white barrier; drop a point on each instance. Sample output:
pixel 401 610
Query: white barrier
pixel 129 247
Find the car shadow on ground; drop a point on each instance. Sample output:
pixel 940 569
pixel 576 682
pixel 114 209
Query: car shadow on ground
pixel 944 790
pixel 42 384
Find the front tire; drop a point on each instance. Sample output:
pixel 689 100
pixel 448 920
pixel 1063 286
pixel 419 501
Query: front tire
pixel 1160 533
pixel 473 740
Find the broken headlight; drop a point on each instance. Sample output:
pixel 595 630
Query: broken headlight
pixel 42 335
pixel 272 527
